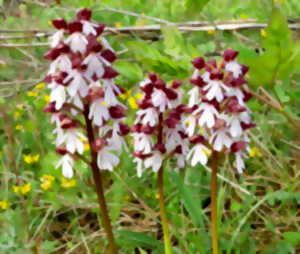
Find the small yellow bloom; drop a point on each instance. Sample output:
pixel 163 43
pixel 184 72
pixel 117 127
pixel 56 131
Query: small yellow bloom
pixel 140 22
pixel 25 188
pixel 16 189
pixel 277 1
pixel 19 127
pixel 207 152
pixel 123 96
pixel 47 177
pixel 132 103
pixel 263 33
pixel 118 24
pixel 3 205
pixel 68 183
pixel 211 32
pixel 49 23
pixel 244 16
pixel 28 159
pixel 138 96
pixel 103 103
pixel 86 146
pixel 46 181
pixel 35 158
pixel 254 151
pixel 17 114
pixel 157 196
pixel 40 86
pixel 201 131
pixel 32 94
pixel 46 98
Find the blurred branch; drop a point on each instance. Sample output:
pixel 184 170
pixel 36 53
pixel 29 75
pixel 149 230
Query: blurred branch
pixel 182 27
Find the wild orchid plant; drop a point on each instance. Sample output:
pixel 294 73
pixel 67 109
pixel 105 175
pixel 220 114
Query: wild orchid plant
pixel 158 134
pixel 82 86
pixel 220 118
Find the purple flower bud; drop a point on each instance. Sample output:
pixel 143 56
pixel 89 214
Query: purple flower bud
pixel 152 76
pixel 198 63
pixel 198 81
pixel 176 84
pixel 117 111
pixel 109 73
pixel 196 139
pixel 171 94
pixel 109 55
pixel 147 129
pixel 159 84
pixel 124 129
pixel 246 126
pixel 60 24
pixel 98 144
pixel 84 14
pixel 50 108
pixel 62 150
pixel 230 55
pixel 238 146
pixel 100 29
pixel 161 147
pixel 68 123
pixel 75 26
pixel 93 45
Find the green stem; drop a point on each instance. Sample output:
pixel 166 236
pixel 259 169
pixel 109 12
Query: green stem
pixel 99 186
pixel 163 214
pixel 213 196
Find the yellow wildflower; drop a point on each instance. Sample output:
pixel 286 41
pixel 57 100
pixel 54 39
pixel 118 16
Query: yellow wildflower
pixel 86 146
pixel 19 127
pixel 49 23
pixel 244 16
pixel 138 96
pixel 132 103
pixel 3 205
pixel 207 152
pixel 16 189
pixel 32 94
pixel 263 33
pixel 211 32
pixel 277 1
pixel 25 188
pixel 65 183
pixel 17 114
pixel 40 86
pixel 157 196
pixel 124 95
pixel 1 153
pixel 29 159
pixel 46 181
pixel 254 151
pixel 46 98
pixel 103 103
pixel 35 158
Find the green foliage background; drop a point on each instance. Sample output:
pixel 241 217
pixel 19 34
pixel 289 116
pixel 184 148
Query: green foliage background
pixel 260 209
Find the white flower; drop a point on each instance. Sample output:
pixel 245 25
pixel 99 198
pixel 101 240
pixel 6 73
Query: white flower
pixel 106 159
pixel 76 100
pixel 63 63
pixel 155 161
pixel 236 92
pixel 144 82
pixel 147 116
pixel 180 160
pixel 94 65
pixel 194 96
pixel 220 139
pixel 110 89
pixel 58 94
pixel 199 153
pixel 235 123
pixel 206 77
pixel 208 115
pixel 67 166
pixel 172 139
pixel 234 67
pixel 239 162
pixel 142 143
pixel 98 112
pixel 56 38
pixel 77 42
pixel 215 90
pixel 139 167
pixel 88 28
pixel 77 84
pixel 72 138
pixel 160 99
pixel 190 124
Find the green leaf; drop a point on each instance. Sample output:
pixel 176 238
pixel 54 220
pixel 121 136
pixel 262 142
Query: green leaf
pixel 195 6
pixel 281 94
pixel 136 239
pixel 131 71
pixel 173 40
pixel 292 238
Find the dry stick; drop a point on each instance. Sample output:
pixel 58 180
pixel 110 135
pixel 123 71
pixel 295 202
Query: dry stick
pixel 163 214
pixel 98 182
pixel 213 197
pixel 12 159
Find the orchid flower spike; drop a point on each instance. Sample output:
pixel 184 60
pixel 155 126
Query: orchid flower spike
pixel 158 132
pixel 81 81
pixel 220 118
